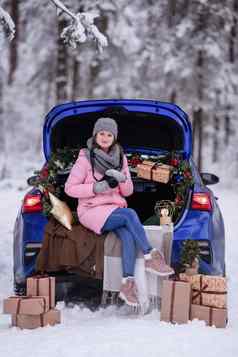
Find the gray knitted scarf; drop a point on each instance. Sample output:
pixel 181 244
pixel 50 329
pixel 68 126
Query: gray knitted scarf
pixel 102 161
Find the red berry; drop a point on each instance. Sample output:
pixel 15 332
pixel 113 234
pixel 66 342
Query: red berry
pixel 187 174
pixel 44 173
pixel 178 199
pixel 174 162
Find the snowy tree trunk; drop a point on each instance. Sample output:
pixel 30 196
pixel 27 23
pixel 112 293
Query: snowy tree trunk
pixel 173 96
pixel 171 12
pixel 216 127
pixel 3 134
pixel 185 7
pixel 62 65
pixel 13 53
pixel 1 125
pixel 233 33
pixel 75 79
pixel 93 75
pixel 198 136
pixel 75 88
pixel 95 65
pixel 198 113
pixel 227 130
pixel 200 122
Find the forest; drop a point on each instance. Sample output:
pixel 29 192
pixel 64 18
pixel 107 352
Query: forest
pixel 180 51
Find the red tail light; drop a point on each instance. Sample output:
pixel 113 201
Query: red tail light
pixel 201 201
pixel 32 203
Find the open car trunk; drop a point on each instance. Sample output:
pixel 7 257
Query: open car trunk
pixel 143 200
pixel 139 132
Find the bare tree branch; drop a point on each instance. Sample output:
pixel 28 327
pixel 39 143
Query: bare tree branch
pixel 60 6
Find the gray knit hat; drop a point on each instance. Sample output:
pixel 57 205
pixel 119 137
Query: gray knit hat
pixel 107 124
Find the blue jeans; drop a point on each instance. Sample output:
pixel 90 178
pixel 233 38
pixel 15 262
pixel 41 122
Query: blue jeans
pixel 128 228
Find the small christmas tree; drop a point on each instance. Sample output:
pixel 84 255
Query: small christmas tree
pixel 189 256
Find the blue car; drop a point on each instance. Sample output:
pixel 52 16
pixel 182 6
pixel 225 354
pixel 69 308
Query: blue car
pixel 147 127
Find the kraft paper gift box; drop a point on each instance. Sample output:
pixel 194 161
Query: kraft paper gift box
pixel 144 170
pixel 34 305
pixel 207 290
pixel 51 317
pixel 153 171
pixel 175 301
pixel 211 315
pixel 161 173
pixel 41 286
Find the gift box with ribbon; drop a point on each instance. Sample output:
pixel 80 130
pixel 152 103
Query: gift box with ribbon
pixel 175 301
pixel 212 316
pixel 41 285
pixel 207 290
pixel 32 305
pixel 154 171
pixel 23 321
pixel 37 309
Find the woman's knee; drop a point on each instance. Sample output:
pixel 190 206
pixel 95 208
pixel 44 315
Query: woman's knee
pixel 132 214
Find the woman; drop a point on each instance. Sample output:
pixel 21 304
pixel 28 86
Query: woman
pixel 100 179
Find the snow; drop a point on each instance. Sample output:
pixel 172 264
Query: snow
pixel 81 28
pixel 182 28
pixel 145 58
pixel 7 23
pixel 110 332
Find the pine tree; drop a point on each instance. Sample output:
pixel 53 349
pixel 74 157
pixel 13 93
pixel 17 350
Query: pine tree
pixel 189 252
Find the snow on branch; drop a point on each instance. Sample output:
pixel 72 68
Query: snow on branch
pixel 7 24
pixel 81 28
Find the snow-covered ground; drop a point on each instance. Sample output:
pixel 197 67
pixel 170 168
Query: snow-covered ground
pixel 108 332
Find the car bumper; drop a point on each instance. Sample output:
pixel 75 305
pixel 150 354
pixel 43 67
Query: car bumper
pixel 29 232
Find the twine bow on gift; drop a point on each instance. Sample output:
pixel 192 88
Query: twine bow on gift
pixel 153 167
pixel 156 165
pixel 37 278
pixel 198 293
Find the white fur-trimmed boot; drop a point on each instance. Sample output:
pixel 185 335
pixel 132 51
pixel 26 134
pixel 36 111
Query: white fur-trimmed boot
pixel 155 264
pixel 128 291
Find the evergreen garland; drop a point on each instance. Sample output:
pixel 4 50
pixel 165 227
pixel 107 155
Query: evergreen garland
pixel 62 160
pixel 60 163
pixel 181 180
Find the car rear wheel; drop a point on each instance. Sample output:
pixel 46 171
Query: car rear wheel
pixel 19 289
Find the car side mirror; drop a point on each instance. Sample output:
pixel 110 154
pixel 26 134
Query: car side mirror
pixel 209 179
pixel 33 180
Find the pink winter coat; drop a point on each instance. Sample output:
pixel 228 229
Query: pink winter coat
pixel 94 209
